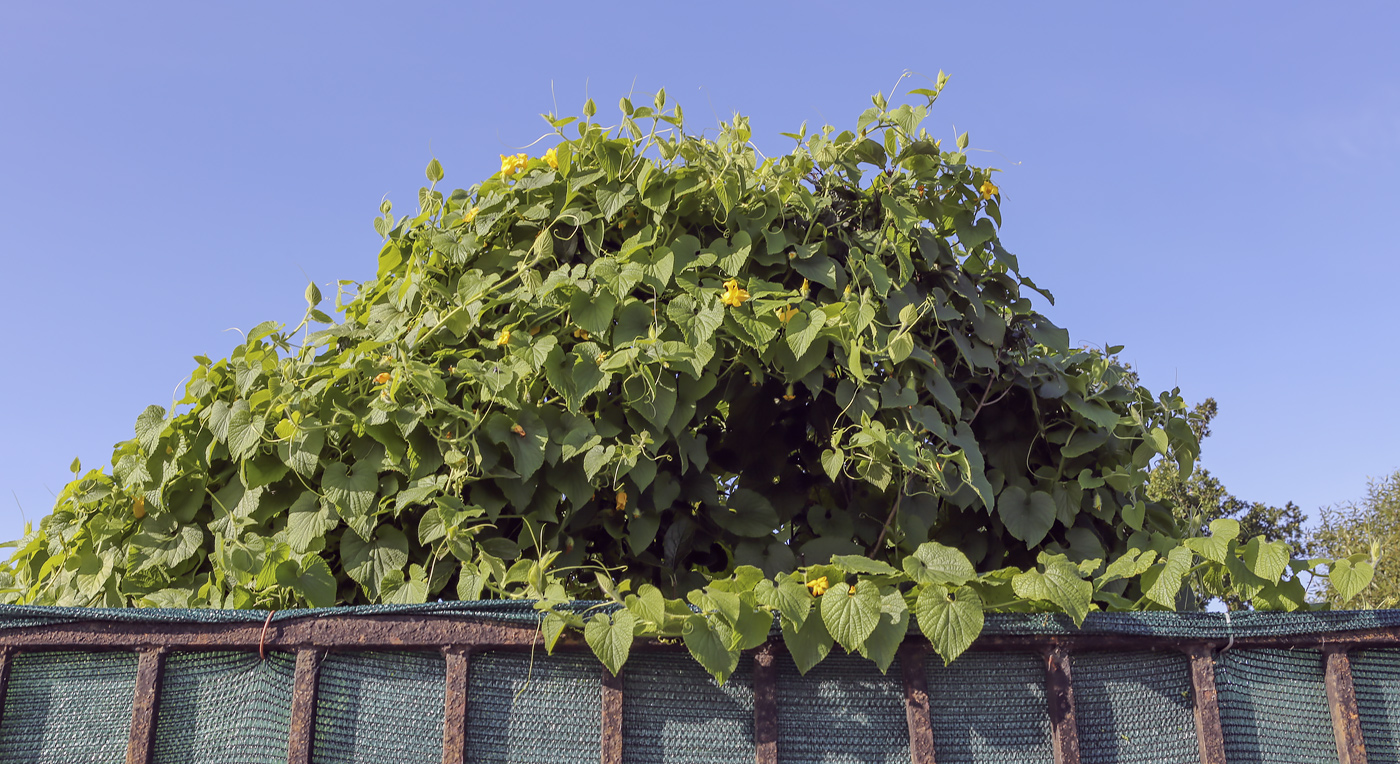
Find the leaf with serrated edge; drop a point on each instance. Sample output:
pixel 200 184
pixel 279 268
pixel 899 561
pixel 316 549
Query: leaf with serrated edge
pixel 709 647
pixel 884 642
pixel 934 563
pixel 808 644
pixel 611 638
pixel 950 620
pixel 788 597
pixel 1168 583
pixel 851 613
pixel 1059 585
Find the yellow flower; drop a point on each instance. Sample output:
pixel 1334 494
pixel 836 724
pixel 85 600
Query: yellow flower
pixel 786 314
pixel 471 215
pixel 512 164
pixel 620 501
pixel 383 377
pixel 581 334
pixel 551 159
pixel 818 586
pixel 733 296
pixel 806 288
pixel 138 507
pixel 504 338
pixel 989 190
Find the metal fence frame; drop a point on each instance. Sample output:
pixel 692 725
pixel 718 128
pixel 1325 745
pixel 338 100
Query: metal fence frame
pixel 459 637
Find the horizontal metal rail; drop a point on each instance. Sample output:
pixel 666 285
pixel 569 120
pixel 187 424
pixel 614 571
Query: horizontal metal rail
pixel 436 632
pixel 459 637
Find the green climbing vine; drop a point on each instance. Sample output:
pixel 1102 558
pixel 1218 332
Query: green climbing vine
pixel 709 387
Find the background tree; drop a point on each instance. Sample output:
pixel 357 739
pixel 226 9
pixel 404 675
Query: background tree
pixel 1201 498
pixel 1367 531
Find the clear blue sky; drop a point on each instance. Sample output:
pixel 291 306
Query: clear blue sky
pixel 1213 185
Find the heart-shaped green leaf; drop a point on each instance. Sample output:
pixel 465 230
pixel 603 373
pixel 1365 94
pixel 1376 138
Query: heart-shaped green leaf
pixel 950 618
pixel 1027 517
pixel 611 638
pixel 851 613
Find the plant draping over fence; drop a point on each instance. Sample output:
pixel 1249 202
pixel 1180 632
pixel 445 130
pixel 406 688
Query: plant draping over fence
pixel 667 371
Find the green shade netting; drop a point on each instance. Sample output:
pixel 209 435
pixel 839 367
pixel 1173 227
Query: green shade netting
pixel 376 707
pixel 673 713
pixel 1134 708
pixel 843 711
pixel 68 707
pixel 1376 676
pixel 990 708
pixel 224 707
pixel 1273 707
pixel 529 708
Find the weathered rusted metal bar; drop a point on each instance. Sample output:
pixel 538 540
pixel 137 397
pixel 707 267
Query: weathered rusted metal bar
pixel 6 656
pixel 611 722
pixel 765 705
pixel 303 717
pixel 1341 699
pixel 1209 736
pixel 911 662
pixel 144 706
pixel 454 719
pixel 434 632
pixel 1059 693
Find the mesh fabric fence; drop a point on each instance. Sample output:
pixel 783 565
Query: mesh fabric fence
pixel 843 710
pixel 674 713
pixel 68 707
pixel 1376 676
pixel 532 709
pixel 990 708
pixel 1273 707
pixel 224 707
pixel 1132 707
pixel 379 707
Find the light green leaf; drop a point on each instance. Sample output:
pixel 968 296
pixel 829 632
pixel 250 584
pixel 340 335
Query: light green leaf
pixel 851 613
pixel 788 597
pixel 1266 559
pixel 854 563
pixel 884 642
pixel 1347 579
pixel 611 639
pixel 368 562
pixel 308 522
pixel 802 328
pixel 807 643
pixel 311 579
pixel 648 605
pixel 1164 590
pixel 951 620
pixel 901 347
pixel 244 430
pixel 934 563
pixel 1059 585
pixel 832 461
pixel 708 646
pixel 350 489
pixel 303 453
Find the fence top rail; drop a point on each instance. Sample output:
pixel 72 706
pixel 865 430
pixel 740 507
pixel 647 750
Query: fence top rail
pixel 514 625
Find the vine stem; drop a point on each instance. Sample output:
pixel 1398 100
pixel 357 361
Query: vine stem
pixel 885 529
pixel 984 402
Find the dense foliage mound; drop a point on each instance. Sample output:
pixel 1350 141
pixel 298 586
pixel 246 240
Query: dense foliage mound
pixel 660 369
